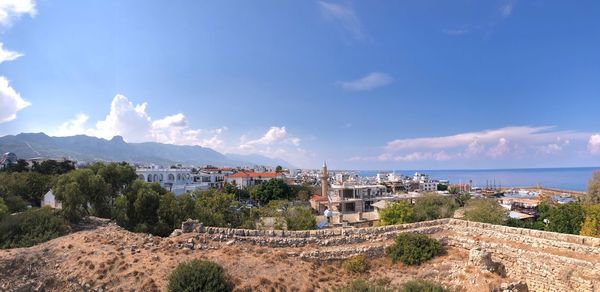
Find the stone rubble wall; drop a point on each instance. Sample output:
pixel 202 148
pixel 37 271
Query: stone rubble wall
pixel 546 261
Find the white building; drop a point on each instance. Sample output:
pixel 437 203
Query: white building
pixel 245 179
pixel 50 200
pixel 175 180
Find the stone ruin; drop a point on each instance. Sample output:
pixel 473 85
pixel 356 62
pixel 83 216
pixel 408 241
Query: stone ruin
pixel 539 260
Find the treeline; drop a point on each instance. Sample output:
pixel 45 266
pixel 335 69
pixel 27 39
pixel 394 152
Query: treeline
pixel 114 191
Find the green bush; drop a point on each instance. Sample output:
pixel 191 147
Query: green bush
pixel 3 209
pixel 363 286
pixel 356 265
pixel 31 227
pixel 198 275
pixel 413 248
pixel 422 286
pixel 300 218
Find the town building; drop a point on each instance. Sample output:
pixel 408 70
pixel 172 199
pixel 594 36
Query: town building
pixel 243 179
pixel 50 201
pixel 175 180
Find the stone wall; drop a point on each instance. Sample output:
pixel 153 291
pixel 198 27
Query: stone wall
pixel 546 261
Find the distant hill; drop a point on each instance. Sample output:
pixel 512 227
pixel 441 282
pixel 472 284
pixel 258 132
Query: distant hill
pixel 90 149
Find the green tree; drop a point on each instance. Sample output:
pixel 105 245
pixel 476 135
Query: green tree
pixel 146 206
pixel 442 187
pixel 593 192
pixel 486 211
pixel 591 223
pixel 79 190
pixel 118 176
pixel 168 210
pixel 300 218
pixel 433 206
pixel 396 213
pixel 274 189
pixel 53 167
pixel 462 199
pixel 278 168
pixel 3 209
pixel 566 218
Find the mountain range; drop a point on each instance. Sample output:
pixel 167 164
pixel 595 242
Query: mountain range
pixel 89 149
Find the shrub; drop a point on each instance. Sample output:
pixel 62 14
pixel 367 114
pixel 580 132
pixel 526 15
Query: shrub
pixel 422 286
pixel 413 248
pixel 356 265
pixel 198 275
pixel 485 211
pixel 300 218
pixel 31 227
pixel 3 209
pixel 363 286
pixel 433 206
pixel 396 213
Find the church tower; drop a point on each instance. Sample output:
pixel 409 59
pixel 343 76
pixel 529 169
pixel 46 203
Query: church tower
pixel 324 181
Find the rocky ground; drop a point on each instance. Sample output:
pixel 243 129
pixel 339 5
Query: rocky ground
pixel 109 258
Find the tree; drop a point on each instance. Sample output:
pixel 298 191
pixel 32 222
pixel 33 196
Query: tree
pixel 300 218
pixel 278 169
pixel 462 199
pixel 433 206
pixel 271 190
pixel 117 175
pixel 566 218
pixel 485 211
pixel 3 209
pixel 53 167
pixel 396 213
pixel 591 223
pixel 593 192
pixel 80 190
pixel 453 191
pixel 442 187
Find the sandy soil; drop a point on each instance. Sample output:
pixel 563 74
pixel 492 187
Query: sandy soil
pixel 109 258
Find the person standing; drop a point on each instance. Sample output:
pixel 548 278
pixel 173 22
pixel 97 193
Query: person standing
pixel 327 214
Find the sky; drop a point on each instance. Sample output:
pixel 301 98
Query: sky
pixel 371 85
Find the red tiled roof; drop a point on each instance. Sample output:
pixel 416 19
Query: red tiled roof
pixel 254 174
pixel 318 198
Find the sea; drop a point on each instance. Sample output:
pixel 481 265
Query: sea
pixel 575 178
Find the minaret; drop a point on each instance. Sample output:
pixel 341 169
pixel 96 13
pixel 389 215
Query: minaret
pixel 324 180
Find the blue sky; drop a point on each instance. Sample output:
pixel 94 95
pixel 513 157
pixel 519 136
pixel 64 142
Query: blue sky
pixel 361 84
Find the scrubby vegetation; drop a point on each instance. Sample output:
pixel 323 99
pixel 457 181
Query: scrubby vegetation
pixel 356 265
pixel 360 285
pixel 30 228
pixel 198 275
pixel 413 248
pixel 422 286
pixel 397 213
pixel 485 211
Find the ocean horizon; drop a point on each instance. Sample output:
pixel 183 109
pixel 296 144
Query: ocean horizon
pixel 568 178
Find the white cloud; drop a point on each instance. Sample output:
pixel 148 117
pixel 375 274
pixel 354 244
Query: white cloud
pixel 496 143
pixel 500 149
pixel 10 101
pixel 371 81
pixel 135 125
pixel 594 144
pixel 274 136
pixel 6 55
pixel 345 17
pixel 11 10
pixel 73 126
